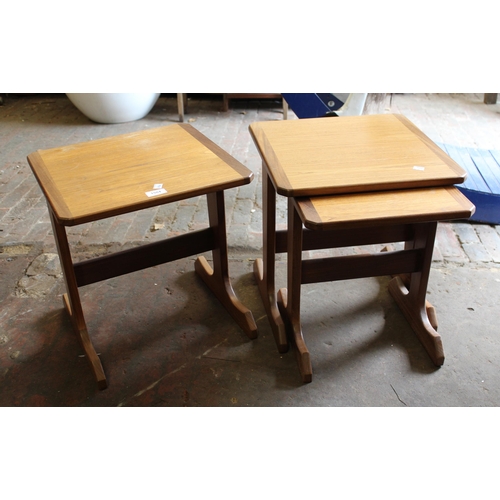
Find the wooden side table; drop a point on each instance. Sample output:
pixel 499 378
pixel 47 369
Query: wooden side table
pixel 107 177
pixel 369 218
pixel 339 160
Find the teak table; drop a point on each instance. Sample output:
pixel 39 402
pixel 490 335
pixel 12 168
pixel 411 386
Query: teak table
pixel 107 177
pixel 353 181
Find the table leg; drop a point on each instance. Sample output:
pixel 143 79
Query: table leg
pixel 412 298
pixel 289 298
pixel 72 301
pixel 181 105
pixel 217 279
pixel 264 269
pixel 431 311
pixel 409 291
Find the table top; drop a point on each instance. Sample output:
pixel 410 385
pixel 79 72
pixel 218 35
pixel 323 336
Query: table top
pixel 105 177
pixel 346 211
pixel 320 156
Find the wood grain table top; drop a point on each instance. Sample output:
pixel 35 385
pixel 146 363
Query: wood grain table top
pixel 106 177
pixel 320 156
pixel 407 206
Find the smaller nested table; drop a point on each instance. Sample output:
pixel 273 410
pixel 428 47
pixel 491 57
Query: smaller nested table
pixel 107 177
pixel 370 218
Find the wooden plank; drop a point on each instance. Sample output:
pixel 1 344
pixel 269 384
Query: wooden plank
pixel 373 235
pixel 360 266
pixel 135 259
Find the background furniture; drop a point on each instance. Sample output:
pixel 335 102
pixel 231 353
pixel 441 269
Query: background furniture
pixel 490 98
pixel 226 98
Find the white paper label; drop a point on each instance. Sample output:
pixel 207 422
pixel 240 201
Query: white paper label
pixel 155 192
pixel 157 186
pixel 418 168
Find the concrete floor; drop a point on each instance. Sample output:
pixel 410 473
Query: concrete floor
pixel 164 340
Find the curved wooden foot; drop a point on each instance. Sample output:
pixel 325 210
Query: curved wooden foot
pixel 431 311
pixel 419 319
pixel 222 289
pixel 431 314
pixel 272 311
pixel 301 352
pixel 83 335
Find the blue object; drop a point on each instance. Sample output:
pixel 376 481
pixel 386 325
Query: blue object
pixel 482 185
pixel 313 105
